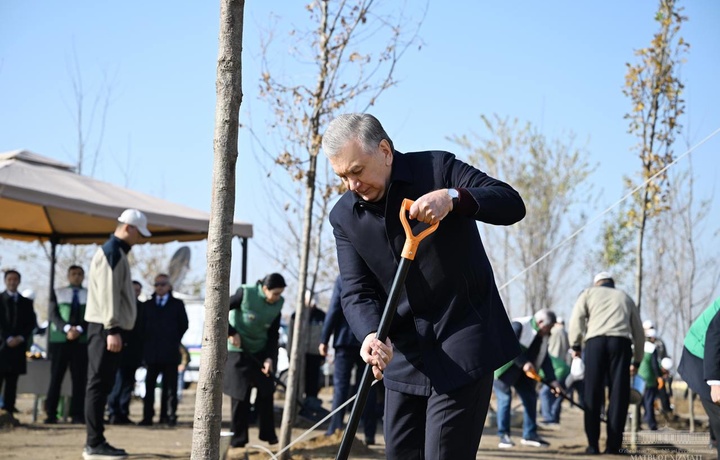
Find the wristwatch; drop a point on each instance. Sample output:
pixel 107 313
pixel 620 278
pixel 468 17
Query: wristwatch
pixel 455 195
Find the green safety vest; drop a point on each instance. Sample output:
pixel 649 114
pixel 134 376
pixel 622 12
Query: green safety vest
pixel 695 339
pixel 63 297
pixel 646 370
pixel 253 319
pixel 527 335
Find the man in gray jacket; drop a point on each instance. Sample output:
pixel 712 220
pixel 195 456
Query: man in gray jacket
pixel 110 310
pixel 605 325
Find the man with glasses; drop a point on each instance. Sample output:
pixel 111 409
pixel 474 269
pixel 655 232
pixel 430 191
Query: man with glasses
pixel 165 323
pixel 110 311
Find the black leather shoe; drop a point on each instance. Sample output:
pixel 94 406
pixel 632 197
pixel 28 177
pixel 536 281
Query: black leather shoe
pixel 592 450
pixel 271 441
pixel 104 451
pixel 237 443
pixel 120 420
pixel 145 422
pixel 50 421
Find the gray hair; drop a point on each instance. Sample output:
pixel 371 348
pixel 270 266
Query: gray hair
pixel 545 316
pixel 363 127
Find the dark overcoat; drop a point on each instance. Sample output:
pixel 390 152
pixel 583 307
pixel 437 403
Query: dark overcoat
pixel 16 319
pixel 164 329
pixel 451 327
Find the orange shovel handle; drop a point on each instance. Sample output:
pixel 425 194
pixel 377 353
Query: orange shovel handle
pixel 412 241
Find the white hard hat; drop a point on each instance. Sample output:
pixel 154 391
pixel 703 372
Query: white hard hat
pixel 602 276
pixel 667 363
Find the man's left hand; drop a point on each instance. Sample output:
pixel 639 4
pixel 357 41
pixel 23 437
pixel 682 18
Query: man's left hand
pixel 432 207
pixel 556 387
pixel 267 367
pixel 14 341
pixel 715 393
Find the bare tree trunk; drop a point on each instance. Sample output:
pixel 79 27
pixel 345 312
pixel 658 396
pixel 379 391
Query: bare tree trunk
pixel 208 404
pixel 639 250
pixel 294 372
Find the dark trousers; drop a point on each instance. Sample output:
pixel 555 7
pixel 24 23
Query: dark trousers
pixel 664 394
pixel 607 359
pixel 102 367
pixel 66 355
pixel 439 426
pixel 347 358
pixel 168 405
pixel 713 412
pixel 648 402
pixel 9 380
pixel 121 394
pixel 264 408
pixel 312 375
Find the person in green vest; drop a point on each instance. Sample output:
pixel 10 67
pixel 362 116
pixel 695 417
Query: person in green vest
pixel 551 400
pixel 253 336
pixel 650 372
pixel 68 346
pixel 532 332
pixel 700 362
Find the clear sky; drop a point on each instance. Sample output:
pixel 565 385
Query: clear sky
pixel 559 65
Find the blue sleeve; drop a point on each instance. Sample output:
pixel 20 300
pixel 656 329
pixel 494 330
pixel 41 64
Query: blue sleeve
pixel 333 314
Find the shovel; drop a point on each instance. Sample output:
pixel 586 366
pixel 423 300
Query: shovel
pixel 407 256
pixel 535 376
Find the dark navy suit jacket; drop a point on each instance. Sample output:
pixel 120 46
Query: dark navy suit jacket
pixel 335 323
pixel 451 327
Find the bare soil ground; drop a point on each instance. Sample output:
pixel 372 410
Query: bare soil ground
pixel 33 440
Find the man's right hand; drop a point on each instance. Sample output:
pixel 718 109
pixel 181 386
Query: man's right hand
pixel 322 349
pixel 377 354
pixel 72 334
pixel 114 343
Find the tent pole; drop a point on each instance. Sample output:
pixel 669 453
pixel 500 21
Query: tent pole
pixel 53 260
pixel 243 276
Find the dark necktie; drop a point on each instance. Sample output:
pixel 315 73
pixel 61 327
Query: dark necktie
pixel 75 308
pixel 160 302
pixel 12 311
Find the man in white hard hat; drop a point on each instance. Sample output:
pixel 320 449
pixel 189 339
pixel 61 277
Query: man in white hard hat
pixel 110 311
pixel 665 389
pixel 605 325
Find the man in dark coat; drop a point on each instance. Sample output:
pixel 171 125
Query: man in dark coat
pixel 165 324
pixel 130 359
pixel 17 321
pixel 451 330
pixel 347 357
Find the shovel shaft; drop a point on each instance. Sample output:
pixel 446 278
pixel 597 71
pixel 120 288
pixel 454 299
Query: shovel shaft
pixel 367 376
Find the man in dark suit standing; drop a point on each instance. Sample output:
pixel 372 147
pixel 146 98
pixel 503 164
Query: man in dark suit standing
pixel 130 359
pixel 165 323
pixel 17 321
pixel 347 357
pixel 451 330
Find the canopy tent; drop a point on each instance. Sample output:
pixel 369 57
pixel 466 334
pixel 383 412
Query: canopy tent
pixel 46 200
